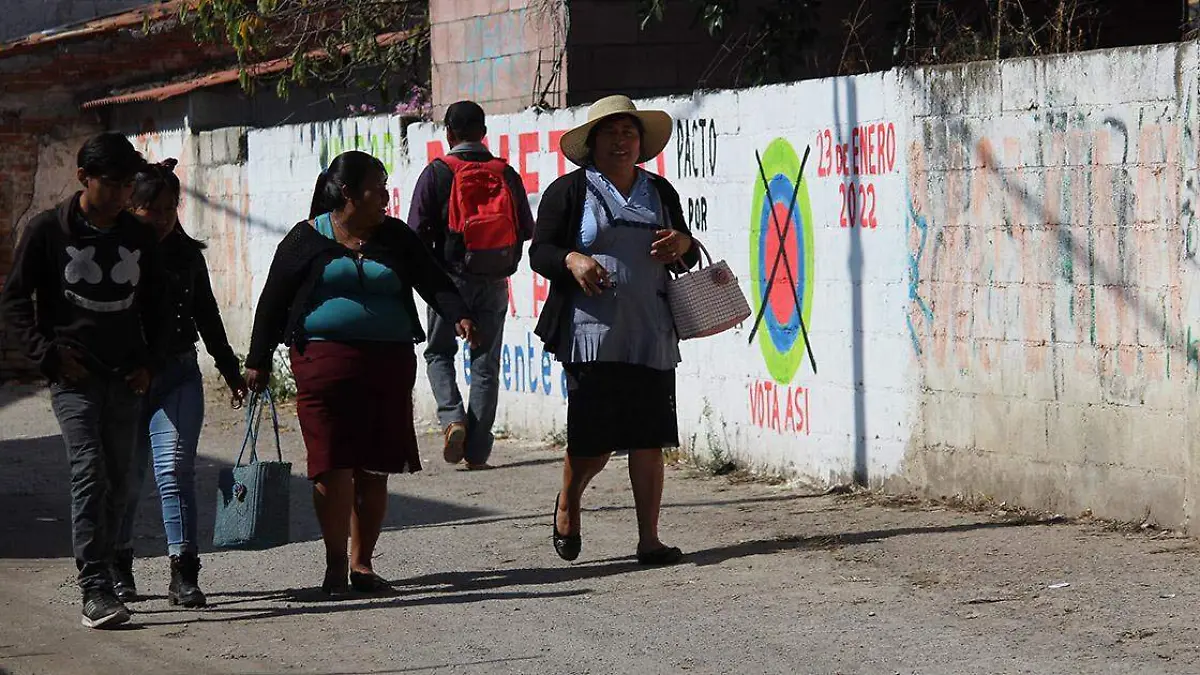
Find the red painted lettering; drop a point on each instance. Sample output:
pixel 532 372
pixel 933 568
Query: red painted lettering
pixel 541 291
pixel 556 147
pixel 891 147
pixel 766 411
pixel 527 144
pixel 512 303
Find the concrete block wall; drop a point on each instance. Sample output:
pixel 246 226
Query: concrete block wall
pixel 994 264
pixel 490 51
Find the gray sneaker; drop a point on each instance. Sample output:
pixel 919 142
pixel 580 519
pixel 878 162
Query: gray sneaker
pixel 101 609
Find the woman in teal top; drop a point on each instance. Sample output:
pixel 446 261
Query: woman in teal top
pixel 340 293
pixel 357 299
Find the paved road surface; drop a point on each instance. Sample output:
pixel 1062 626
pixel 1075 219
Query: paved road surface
pixel 777 581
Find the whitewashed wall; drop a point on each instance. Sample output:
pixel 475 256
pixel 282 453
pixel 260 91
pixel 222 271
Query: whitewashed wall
pixel 995 263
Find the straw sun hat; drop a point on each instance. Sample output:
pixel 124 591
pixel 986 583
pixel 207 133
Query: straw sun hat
pixel 656 126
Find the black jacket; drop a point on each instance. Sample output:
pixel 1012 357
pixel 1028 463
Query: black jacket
pixel 299 261
pixel 559 215
pixel 194 313
pixel 100 292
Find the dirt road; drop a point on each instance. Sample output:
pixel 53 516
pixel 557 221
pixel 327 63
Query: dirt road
pixel 776 581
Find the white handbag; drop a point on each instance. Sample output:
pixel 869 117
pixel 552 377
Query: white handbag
pixel 706 301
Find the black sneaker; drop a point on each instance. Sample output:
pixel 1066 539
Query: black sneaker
pixel 122 577
pixel 101 609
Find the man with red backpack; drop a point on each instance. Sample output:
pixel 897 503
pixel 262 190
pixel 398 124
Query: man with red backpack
pixel 471 209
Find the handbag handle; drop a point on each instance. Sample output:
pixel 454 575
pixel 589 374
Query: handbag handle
pixel 704 254
pixel 253 422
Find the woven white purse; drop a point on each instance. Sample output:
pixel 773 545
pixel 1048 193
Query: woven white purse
pixel 707 301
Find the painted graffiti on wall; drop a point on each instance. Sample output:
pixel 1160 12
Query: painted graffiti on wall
pixel 781 262
pixel 778 408
pixel 870 152
pixel 695 148
pixel 782 266
pixel 1074 240
pixel 336 140
pixel 525 368
pixel 695 160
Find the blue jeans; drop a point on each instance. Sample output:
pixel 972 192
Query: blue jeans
pixel 171 434
pixel 487 302
pixel 99 420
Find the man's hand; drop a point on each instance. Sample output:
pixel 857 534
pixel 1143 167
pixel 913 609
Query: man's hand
pixel 467 331
pixel 70 364
pixel 257 380
pixel 139 381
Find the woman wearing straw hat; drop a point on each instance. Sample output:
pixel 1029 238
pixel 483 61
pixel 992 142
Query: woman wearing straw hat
pixel 607 235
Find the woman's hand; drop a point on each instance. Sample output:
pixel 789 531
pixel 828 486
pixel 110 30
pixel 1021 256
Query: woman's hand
pixel 257 380
pixel 467 331
pixel 670 246
pixel 589 274
pixel 239 389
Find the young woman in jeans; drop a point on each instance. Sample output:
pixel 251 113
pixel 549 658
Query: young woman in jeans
pixel 174 410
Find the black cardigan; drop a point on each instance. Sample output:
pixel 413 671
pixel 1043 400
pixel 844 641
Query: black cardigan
pixel 299 261
pixel 196 312
pixel 559 215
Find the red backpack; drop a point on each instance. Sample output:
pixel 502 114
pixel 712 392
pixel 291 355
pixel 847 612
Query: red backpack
pixel 482 218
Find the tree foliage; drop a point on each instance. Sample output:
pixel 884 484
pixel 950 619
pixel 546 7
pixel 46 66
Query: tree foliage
pixel 330 43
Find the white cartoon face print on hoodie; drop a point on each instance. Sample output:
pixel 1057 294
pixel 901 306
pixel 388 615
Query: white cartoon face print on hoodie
pixel 101 278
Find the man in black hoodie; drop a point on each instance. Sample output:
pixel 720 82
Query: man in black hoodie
pixel 83 298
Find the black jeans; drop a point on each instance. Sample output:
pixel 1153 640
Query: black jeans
pixel 100 421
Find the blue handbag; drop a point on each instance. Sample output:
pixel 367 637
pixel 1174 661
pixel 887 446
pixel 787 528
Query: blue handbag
pixel 253 499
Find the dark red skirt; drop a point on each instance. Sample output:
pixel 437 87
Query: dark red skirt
pixel 355 404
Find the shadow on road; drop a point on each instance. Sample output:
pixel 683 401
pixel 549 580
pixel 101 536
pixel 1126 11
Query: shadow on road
pixel 36 506
pixel 415 669
pixel 720 554
pixel 459 587
pixel 13 392
pixel 605 509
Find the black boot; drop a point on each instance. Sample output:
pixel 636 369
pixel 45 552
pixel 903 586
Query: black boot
pixel 184 589
pixel 122 576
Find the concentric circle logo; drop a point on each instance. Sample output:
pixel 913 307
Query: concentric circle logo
pixel 788 254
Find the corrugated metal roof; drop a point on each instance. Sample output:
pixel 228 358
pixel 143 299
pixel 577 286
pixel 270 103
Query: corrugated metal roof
pixel 164 92
pixel 134 18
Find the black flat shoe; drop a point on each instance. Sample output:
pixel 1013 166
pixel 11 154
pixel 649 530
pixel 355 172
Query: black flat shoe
pixel 567 546
pixel 368 582
pixel 667 555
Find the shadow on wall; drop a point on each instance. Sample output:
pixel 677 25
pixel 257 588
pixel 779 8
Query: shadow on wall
pixel 227 210
pixel 855 269
pixel 35 498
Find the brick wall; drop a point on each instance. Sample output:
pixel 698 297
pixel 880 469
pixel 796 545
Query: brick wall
pixel 495 52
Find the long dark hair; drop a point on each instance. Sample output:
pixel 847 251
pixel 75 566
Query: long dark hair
pixel 148 185
pixel 349 170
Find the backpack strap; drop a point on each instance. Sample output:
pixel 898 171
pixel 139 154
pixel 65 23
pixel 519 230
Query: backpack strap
pixel 454 163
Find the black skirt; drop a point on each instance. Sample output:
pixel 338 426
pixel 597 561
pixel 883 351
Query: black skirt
pixel 613 407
